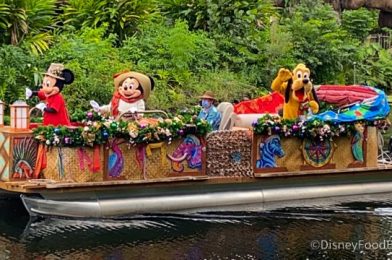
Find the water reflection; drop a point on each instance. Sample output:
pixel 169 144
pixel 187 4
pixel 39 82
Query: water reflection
pixel 279 233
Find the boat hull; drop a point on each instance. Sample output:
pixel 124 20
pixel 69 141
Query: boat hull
pixel 204 197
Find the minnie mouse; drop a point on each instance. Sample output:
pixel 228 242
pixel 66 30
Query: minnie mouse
pixel 131 89
pixel 55 110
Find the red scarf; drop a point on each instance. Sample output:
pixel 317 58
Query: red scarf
pixel 116 101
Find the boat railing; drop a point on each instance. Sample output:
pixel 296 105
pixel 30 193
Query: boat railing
pixel 34 108
pixel 132 115
pixel 126 115
pixel 347 106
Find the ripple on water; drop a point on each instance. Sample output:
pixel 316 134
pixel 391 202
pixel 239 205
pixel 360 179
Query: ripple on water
pixel 281 231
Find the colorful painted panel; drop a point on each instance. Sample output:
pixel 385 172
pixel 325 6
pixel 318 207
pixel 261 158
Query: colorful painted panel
pixel 317 153
pixel 181 157
pixel 24 155
pixel 269 149
pixel 125 162
pixel 187 155
pixel 357 144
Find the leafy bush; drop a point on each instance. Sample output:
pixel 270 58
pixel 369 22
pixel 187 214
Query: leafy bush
pixel 184 64
pixel 119 17
pixel 17 72
pixel 359 23
pixel 93 60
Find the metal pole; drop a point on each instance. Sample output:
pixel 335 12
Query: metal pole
pixel 355 80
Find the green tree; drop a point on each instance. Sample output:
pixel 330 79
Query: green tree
pixel 319 41
pixel 375 66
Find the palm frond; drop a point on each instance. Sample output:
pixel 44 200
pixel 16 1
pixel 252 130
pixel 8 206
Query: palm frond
pixel 38 43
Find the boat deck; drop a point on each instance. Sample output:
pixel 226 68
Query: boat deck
pixel 40 185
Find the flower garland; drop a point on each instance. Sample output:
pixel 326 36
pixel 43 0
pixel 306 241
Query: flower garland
pixel 96 129
pixel 313 129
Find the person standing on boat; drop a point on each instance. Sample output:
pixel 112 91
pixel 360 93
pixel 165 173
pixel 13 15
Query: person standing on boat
pixel 131 91
pixel 209 112
pixel 54 109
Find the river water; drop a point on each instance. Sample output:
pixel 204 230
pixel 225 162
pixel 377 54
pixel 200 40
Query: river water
pixel 338 228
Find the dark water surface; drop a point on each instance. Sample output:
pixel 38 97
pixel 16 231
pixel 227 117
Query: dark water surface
pixel 322 229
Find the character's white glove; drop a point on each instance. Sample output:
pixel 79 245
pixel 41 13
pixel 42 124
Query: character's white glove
pixel 41 106
pixel 94 105
pixel 132 110
pixel 29 93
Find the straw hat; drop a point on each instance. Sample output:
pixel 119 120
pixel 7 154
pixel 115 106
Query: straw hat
pixel 146 82
pixel 55 70
pixel 208 95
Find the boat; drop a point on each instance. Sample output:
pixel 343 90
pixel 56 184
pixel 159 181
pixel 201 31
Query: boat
pixel 110 169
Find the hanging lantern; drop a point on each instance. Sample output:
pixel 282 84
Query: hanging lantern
pixel 1 113
pixel 20 118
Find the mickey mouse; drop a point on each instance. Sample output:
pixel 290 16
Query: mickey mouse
pixel 55 110
pixel 131 89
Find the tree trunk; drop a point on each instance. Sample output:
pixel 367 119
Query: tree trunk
pixel 385 19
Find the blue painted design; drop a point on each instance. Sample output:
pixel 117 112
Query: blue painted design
pixel 236 157
pixel 357 143
pixel 112 160
pixel 116 161
pixel 270 148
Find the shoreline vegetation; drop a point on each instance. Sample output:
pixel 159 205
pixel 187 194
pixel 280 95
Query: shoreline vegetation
pixel 233 48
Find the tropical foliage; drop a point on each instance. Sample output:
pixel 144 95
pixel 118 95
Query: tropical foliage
pixel 118 17
pixel 234 48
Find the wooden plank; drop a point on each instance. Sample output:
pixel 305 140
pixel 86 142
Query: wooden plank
pixel 37 185
pixel 319 172
pixel 125 182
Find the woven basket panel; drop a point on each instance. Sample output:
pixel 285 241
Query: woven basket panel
pixel 371 147
pixel 229 153
pixel 343 155
pixel 51 172
pixel 155 166
pixel 293 155
pixel 71 164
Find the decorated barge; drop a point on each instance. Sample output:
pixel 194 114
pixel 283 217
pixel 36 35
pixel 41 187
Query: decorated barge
pixel 132 162
pixel 106 168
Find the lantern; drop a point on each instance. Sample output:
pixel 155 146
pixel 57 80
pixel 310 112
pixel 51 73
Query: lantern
pixel 20 118
pixel 1 113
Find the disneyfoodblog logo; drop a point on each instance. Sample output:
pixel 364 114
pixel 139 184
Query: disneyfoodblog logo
pixel 350 245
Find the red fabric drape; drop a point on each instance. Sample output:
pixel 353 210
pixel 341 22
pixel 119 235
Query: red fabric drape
pixel 270 103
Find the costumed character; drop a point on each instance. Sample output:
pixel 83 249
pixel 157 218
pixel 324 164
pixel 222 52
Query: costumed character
pixel 209 112
pixel 54 110
pixel 131 89
pixel 299 94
